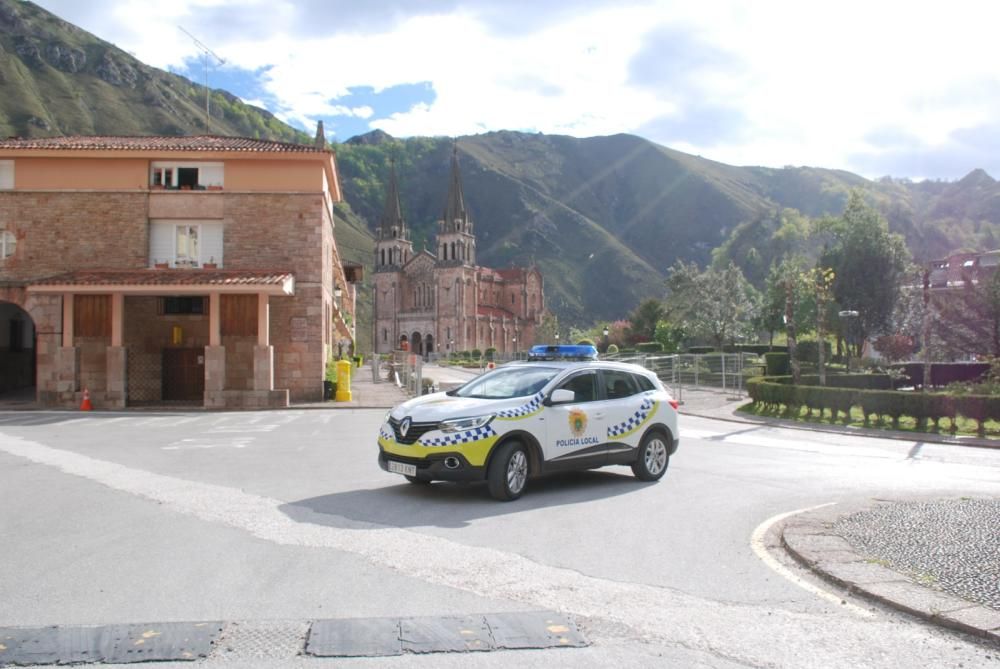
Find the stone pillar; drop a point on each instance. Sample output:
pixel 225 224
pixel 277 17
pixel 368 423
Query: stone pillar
pixel 263 368
pixel 117 366
pixel 215 368
pixel 67 373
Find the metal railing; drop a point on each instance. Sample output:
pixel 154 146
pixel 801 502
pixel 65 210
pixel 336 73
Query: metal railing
pixel 725 372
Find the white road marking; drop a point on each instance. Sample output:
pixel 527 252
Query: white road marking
pixel 757 544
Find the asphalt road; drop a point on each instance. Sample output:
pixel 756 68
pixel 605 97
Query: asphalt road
pixel 274 519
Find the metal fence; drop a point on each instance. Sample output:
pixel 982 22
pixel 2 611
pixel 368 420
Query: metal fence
pixel 726 373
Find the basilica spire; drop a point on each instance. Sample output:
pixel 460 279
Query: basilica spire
pixel 392 225
pixel 455 216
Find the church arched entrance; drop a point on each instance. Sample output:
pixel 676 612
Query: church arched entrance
pixel 17 352
pixel 404 343
pixel 416 343
pixel 428 344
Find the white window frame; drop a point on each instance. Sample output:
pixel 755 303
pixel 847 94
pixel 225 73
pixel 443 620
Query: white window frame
pixel 6 175
pixel 211 175
pixel 8 244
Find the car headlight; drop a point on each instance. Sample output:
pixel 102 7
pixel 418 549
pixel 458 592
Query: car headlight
pixel 463 424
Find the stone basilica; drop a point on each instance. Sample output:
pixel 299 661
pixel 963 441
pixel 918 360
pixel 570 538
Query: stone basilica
pixel 441 303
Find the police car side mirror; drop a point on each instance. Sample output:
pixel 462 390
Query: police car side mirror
pixel 561 396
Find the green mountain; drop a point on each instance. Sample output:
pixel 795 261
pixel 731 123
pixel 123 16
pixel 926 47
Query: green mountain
pixel 603 217
pixel 60 80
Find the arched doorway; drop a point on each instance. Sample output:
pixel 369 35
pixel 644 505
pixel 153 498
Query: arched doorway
pixel 17 352
pixel 404 343
pixel 416 344
pixel 429 344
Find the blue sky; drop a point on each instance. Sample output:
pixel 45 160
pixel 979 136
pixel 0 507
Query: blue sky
pixel 907 89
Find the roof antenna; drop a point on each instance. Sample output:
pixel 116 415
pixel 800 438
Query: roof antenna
pixel 205 53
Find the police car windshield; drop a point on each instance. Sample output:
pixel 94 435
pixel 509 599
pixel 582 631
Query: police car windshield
pixel 507 382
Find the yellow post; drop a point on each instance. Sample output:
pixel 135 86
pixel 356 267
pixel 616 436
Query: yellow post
pixel 343 381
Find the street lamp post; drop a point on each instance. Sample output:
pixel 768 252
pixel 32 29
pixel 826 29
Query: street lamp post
pixel 847 316
pixel 606 333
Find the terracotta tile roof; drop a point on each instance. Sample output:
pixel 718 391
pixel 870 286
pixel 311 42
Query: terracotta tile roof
pixel 167 277
pixel 158 143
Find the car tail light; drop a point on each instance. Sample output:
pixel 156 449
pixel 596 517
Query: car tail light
pixel 674 403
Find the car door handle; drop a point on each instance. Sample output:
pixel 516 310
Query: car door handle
pixel 599 414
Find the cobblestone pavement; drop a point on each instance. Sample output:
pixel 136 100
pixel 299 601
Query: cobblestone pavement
pixel 948 545
pixel 937 559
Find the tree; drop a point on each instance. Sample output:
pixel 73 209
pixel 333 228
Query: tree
pixel 821 279
pixel 547 329
pixel 718 305
pixel 644 319
pixel 670 336
pixel 869 263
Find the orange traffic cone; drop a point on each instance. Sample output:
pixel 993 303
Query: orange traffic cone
pixel 85 404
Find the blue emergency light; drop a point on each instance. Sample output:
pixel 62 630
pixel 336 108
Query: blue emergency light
pixel 563 352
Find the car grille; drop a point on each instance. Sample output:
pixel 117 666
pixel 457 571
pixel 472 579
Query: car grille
pixel 416 431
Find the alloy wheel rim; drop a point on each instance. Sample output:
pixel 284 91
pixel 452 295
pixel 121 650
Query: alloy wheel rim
pixel 517 472
pixel 656 456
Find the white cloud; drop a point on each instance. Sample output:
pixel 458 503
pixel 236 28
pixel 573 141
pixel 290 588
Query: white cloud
pixel 807 82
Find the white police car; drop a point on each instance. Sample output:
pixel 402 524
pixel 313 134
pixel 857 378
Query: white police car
pixel 563 409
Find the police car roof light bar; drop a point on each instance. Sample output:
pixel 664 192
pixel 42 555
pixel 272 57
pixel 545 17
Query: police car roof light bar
pixel 562 352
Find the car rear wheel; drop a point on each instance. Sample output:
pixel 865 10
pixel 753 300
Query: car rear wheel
pixel 653 457
pixel 415 480
pixel 508 472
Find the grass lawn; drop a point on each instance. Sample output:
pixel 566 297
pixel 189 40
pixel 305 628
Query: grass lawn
pixel 963 426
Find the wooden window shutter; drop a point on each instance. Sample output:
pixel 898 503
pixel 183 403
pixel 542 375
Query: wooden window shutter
pixel 239 315
pixel 92 315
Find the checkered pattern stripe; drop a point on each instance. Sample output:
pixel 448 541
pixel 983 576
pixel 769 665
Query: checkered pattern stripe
pixel 635 421
pixel 523 411
pixel 466 437
pixel 385 432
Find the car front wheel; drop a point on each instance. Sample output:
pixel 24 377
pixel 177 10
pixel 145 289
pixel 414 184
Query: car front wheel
pixel 653 457
pixel 508 472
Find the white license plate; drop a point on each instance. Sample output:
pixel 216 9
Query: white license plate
pixel 402 468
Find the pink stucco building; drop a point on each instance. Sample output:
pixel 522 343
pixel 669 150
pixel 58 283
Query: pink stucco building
pixel 158 269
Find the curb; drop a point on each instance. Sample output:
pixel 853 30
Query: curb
pixel 809 539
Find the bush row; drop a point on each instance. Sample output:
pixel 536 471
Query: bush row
pixel 773 394
pixel 943 373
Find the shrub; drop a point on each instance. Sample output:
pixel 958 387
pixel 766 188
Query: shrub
pixel 586 342
pixel 490 353
pixel 808 351
pixel 612 349
pixel 895 347
pixel 649 347
pixel 701 350
pixel 756 349
pixel 777 364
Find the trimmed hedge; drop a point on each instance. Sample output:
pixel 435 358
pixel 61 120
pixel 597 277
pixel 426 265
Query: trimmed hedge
pixel 943 373
pixel 777 364
pixel 773 393
pixel 756 349
pixel 700 350
pixel 808 351
pixel 649 347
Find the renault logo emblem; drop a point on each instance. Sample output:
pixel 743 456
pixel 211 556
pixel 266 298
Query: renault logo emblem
pixel 404 426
